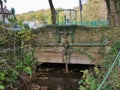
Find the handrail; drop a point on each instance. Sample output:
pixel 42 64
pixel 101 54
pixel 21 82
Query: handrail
pixel 105 78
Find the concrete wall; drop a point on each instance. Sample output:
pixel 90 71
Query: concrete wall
pixel 79 55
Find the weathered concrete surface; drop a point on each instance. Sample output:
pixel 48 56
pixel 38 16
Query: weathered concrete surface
pixel 82 34
pixel 52 56
pixel 48 35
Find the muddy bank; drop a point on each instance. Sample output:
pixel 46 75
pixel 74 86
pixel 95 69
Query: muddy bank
pixel 53 77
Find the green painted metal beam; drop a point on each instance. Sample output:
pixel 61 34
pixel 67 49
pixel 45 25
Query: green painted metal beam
pixel 50 45
pixel 95 44
pixel 72 45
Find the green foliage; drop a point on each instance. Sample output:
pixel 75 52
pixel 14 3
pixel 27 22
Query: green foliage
pixel 110 56
pixel 92 11
pixel 28 59
pixel 91 79
pixel 26 36
pixel 2 76
pixel 25 65
pixel 2 87
pixel 13 12
pixel 115 48
pixel 82 88
pixel 41 15
pixel 2 79
pixel 19 66
pixel 28 62
pixel 113 80
pixel 2 38
pixel 11 76
pixel 11 20
pixel 26 26
pixel 28 70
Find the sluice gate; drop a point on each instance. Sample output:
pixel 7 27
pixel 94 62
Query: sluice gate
pixel 68 44
pixel 62 48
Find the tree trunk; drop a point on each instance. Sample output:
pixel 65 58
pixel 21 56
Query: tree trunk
pixel 53 12
pixel 2 10
pixel 113 7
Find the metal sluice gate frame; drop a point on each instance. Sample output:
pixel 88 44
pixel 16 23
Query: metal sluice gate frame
pixel 65 30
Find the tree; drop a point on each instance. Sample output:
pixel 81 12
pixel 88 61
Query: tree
pixel 13 12
pixel 53 12
pixel 113 7
pixel 94 10
pixel 2 9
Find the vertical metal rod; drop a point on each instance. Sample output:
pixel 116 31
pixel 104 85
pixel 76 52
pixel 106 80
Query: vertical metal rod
pixel 81 17
pixel 80 4
pixel 66 65
pixel 14 46
pixel 70 18
pixel 66 48
pixel 65 20
pixel 63 56
pixel 58 17
pixel 69 57
pixel 75 17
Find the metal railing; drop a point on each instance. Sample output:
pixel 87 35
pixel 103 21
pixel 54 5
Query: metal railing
pixel 109 71
pixel 98 23
pixel 94 23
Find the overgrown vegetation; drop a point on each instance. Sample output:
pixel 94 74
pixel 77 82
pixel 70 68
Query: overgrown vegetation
pixel 91 79
pixel 13 70
pixel 19 63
